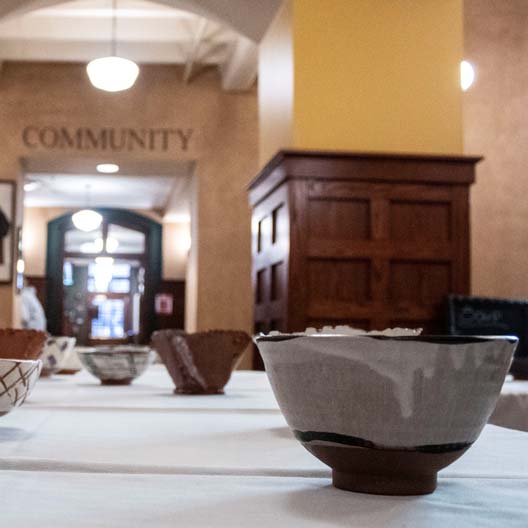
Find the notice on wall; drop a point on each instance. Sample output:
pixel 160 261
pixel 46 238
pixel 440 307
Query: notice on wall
pixel 163 303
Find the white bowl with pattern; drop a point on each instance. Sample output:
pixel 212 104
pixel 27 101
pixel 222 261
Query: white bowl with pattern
pixel 57 353
pixel 17 379
pixel 117 365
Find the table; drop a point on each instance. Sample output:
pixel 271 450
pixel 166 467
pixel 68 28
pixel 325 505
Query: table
pixel 80 454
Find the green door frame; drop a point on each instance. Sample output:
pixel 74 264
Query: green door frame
pixel 55 259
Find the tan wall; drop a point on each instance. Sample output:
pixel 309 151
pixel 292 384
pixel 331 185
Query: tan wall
pixel 175 252
pixel 34 237
pixel 224 146
pixel 496 126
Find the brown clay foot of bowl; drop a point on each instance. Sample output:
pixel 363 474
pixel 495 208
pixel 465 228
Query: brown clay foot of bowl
pixel 68 372
pixel 384 484
pixel 384 472
pixel 126 381
pixel 198 392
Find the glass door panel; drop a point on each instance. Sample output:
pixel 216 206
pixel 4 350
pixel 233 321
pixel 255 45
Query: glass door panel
pixel 124 240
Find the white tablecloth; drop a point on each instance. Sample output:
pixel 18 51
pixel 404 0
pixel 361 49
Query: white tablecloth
pixel 55 500
pixel 80 454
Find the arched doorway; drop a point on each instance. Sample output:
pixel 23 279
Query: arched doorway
pixel 101 284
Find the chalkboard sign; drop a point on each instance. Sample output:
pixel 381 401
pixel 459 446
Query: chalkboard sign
pixel 488 316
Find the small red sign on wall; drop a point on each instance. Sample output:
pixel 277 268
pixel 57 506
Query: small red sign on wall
pixel 163 303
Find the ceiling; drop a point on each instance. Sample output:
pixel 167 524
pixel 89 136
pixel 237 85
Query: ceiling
pixel 165 189
pixel 147 32
pixel 250 18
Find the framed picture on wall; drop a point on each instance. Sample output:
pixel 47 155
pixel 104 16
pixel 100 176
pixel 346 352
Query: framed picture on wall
pixel 7 230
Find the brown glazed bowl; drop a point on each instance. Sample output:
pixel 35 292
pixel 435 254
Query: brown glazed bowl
pixel 386 413
pixel 200 363
pixel 21 344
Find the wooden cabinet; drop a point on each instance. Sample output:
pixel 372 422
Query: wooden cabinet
pixel 368 240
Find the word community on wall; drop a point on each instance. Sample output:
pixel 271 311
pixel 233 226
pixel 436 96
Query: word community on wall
pixel 106 139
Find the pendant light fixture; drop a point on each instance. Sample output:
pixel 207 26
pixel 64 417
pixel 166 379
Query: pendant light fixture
pixel 113 73
pixel 87 219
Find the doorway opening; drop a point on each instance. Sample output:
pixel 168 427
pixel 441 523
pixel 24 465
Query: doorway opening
pixel 123 279
pixel 101 284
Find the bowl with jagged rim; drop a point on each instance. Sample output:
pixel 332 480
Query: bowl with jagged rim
pixel 21 343
pixel 201 362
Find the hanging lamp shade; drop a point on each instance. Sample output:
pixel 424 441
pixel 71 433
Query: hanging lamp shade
pixel 112 74
pixel 86 220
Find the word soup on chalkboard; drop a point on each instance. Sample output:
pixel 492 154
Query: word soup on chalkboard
pixel 488 316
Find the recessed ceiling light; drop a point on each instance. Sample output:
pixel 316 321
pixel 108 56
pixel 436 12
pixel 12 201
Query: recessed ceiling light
pixel 32 186
pixel 107 168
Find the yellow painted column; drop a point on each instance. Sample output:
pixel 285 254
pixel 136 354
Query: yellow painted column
pixel 367 75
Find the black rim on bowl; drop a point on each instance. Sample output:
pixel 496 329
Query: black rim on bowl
pixel 435 339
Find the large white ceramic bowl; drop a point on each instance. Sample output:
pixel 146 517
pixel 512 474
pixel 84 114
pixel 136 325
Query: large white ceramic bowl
pixel 57 354
pixel 17 379
pixel 386 413
pixel 117 365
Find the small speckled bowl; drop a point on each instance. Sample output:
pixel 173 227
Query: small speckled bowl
pixel 17 379
pixel 386 413
pixel 116 365
pixel 57 352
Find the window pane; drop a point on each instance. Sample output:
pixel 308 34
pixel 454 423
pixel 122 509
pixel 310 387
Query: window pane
pixel 121 269
pixel 67 274
pixel 123 240
pixel 110 322
pixel 76 241
pixel 120 286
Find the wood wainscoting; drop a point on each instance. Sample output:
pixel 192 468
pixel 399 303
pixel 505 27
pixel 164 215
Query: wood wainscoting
pixel 368 240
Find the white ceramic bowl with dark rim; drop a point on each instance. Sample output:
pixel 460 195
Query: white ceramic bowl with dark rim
pixel 117 365
pixel 17 379
pixel 386 413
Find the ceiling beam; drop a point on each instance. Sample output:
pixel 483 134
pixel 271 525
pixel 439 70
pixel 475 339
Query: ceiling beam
pixel 194 49
pixel 85 50
pixel 240 69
